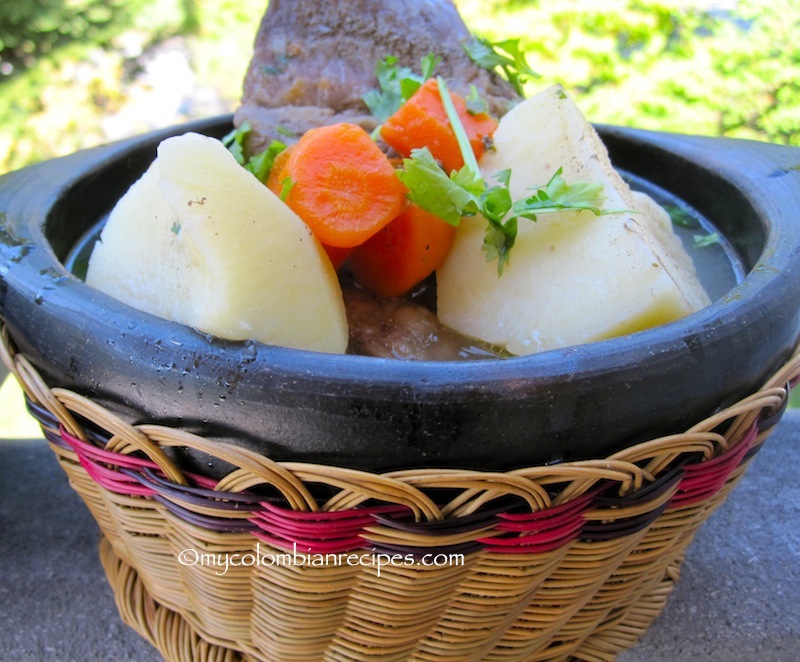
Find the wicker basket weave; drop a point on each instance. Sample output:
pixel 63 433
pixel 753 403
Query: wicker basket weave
pixel 294 561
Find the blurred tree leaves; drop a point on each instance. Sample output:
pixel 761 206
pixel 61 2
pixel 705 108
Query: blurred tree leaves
pixel 73 73
pixel 715 67
pixel 32 28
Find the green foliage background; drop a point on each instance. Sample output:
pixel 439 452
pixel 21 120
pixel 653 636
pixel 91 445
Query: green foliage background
pixel 716 68
pixel 712 67
pixel 68 65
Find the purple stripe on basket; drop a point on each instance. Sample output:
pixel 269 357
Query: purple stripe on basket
pixel 612 528
pixel 650 492
pixel 207 522
pixel 752 452
pixel 344 531
pixel 40 413
pixel 596 531
pixel 444 527
pixel 55 438
pixel 201 496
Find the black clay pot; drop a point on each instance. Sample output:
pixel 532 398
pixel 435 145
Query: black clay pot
pixel 380 414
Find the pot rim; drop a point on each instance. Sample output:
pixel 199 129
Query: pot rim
pixel 716 322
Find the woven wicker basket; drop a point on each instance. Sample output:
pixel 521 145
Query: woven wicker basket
pixel 294 561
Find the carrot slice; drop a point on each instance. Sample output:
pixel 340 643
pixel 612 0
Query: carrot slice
pixel 342 185
pixel 337 255
pixel 403 253
pixel 422 122
pixel 277 176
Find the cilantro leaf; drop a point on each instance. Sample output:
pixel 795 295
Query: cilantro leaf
pixel 470 180
pixel 557 195
pixel 428 65
pixel 396 85
pixel 507 55
pixel 260 164
pixel 466 193
pixel 476 104
pixel 498 242
pixel 430 188
pixel 234 141
pixel 706 240
pixel 286 188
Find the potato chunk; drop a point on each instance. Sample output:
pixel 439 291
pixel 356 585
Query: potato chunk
pixel 573 277
pixel 201 241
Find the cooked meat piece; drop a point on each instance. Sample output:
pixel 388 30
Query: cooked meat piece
pixel 404 329
pixel 313 61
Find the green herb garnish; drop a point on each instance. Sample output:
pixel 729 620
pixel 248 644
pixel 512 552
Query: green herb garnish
pixel 476 104
pixel 259 164
pixel 396 85
pixel 286 188
pixel 680 216
pixel 505 54
pixel 706 240
pixel 466 193
pixel 429 187
pixel 285 132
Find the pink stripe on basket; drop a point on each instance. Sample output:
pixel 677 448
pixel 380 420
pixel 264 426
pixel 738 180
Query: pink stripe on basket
pixel 113 480
pixel 90 451
pixel 307 546
pixel 548 518
pixel 317 532
pixel 342 531
pixel 704 479
pixel 93 459
pixel 547 540
pixel 543 530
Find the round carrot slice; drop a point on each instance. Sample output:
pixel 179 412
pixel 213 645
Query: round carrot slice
pixel 341 184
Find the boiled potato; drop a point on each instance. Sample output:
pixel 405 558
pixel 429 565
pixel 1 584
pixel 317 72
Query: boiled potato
pixel 201 241
pixel 573 277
